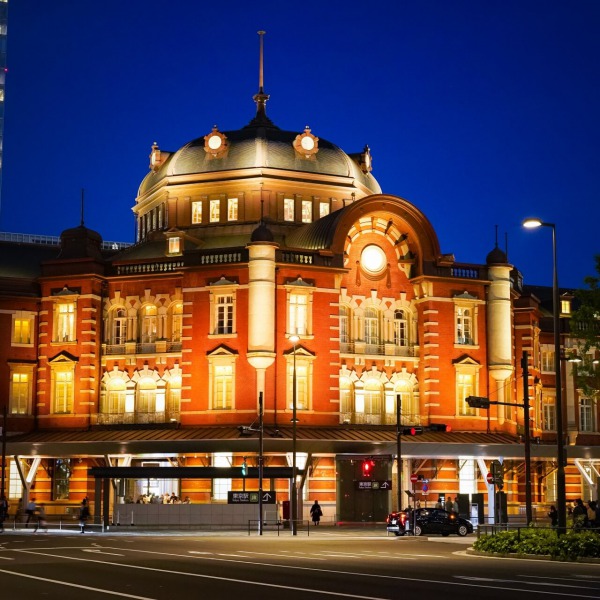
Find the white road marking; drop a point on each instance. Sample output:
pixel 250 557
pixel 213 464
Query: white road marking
pixel 98 551
pixel 75 585
pixel 274 554
pixel 198 552
pixel 6 558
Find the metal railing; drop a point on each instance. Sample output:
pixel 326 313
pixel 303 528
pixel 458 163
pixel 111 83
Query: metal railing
pixel 278 526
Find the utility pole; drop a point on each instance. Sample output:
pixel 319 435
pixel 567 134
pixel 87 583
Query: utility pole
pixel 528 510
pixel 4 417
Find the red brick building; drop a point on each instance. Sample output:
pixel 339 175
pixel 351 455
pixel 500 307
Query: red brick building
pixel 269 265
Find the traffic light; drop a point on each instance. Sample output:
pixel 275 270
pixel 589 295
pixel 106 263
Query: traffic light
pixel 439 427
pixel 244 468
pixel 478 402
pixel 367 467
pixel 497 471
pixel 413 430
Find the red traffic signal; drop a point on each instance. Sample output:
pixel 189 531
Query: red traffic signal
pixel 439 427
pixel 414 430
pixel 367 467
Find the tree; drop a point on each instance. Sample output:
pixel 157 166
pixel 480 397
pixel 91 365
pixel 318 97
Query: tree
pixel 585 328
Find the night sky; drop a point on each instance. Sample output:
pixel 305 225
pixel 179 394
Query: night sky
pixel 480 112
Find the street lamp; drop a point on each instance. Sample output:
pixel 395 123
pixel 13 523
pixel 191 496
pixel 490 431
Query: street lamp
pixel 561 494
pixel 399 447
pixel 294 338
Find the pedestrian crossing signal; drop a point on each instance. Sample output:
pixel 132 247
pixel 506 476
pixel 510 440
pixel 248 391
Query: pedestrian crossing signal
pixel 367 467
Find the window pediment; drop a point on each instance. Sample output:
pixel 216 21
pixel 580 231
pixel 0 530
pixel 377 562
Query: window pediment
pixel 222 351
pixel 63 358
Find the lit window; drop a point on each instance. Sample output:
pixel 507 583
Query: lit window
pixel 64 322
pixel 223 387
pixel 586 415
pixel 288 209
pixel 146 400
pixel 565 307
pixel 232 209
pixel 221 485
pixel 224 314
pixel 63 389
pixel 20 390
pixel 119 326
pixel 298 314
pixel 15 486
pixel 116 391
pixel 149 324
pixel 22 333
pixel 400 328
pixel 467 476
pixel 465 385
pixel 548 413
pixel 306 211
pixel 174 245
pixel 196 212
pixel 215 211
pixel 344 325
pixel 174 398
pixel 464 325
pixel 175 321
pixel 303 381
pixel 323 209
pixel 371 327
pixel 61 474
pixel 547 359
pixel 346 399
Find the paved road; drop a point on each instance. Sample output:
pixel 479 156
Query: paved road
pixel 330 563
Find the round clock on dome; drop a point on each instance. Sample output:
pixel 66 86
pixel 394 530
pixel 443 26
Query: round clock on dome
pixel 306 144
pixel 215 143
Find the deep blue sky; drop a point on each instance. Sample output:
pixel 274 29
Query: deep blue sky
pixel 480 112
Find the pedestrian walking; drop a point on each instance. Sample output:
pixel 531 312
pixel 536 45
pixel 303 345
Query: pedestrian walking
pixel 30 511
pixel 19 513
pixel 553 516
pixel 3 512
pixel 579 515
pixel 316 513
pixel 84 514
pixel 41 522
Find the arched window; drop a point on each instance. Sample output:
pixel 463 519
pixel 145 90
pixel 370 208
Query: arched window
pixel 344 326
pixel 373 401
pixel 119 326
pixel 146 400
pixel 175 321
pixel 115 397
pixel 400 328
pixel 346 400
pixel 371 327
pixel 149 324
pixel 174 398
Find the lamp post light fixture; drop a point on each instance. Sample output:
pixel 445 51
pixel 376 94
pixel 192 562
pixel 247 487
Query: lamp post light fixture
pixel 561 494
pixel 294 338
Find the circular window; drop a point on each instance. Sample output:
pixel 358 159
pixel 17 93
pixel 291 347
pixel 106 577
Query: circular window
pixel 373 259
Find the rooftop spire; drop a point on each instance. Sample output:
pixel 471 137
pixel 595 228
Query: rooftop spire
pixel 261 98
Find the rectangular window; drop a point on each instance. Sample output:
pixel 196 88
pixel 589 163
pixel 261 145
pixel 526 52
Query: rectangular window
pixel 298 313
pixel 64 314
pixel 61 473
pixel 288 209
pixel 174 245
pixel 464 325
pixel 224 316
pixel 302 388
pixel 323 209
pixel 63 391
pixel 20 393
pixel 548 413
pixel 223 387
pixel 547 360
pixel 465 385
pixel 22 328
pixel 307 211
pixel 196 212
pixel 232 209
pixel 467 477
pixel 215 211
pixel 586 415
pixel 565 307
pixel 221 485
pixel 15 486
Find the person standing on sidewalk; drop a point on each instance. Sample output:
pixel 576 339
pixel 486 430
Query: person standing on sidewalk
pixel 84 514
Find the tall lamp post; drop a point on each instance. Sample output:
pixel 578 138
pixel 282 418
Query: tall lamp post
pixel 399 447
pixel 561 493
pixel 294 508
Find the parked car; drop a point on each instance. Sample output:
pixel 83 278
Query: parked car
pixel 428 520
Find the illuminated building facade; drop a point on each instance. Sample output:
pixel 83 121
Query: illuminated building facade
pixel 270 269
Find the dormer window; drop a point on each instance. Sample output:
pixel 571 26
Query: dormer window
pixel 174 244
pixel 565 307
